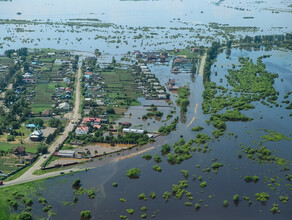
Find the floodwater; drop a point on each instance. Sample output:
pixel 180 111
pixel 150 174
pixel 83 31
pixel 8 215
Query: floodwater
pixel 171 23
pixel 221 186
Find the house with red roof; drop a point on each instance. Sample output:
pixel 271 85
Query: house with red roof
pixel 83 129
pixel 91 120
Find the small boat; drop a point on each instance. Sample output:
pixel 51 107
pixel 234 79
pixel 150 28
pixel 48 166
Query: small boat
pixel 18 13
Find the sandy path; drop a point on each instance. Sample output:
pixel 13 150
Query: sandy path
pixel 202 65
pixel 135 154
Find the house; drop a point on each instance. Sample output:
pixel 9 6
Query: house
pixel 126 124
pixel 20 151
pixel 195 49
pixel 66 153
pixel 91 120
pixel 175 70
pixel 28 80
pixel 47 113
pixel 99 102
pixel 136 131
pixel 68 89
pixel 66 80
pixel 64 106
pixel 88 73
pixel 29 126
pixel 27 75
pixel 36 135
pixel 29 158
pixel 83 129
pixel 162 96
pixel 171 82
pixel 97 126
pixel 162 59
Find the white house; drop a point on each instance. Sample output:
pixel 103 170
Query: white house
pixel 64 106
pixel 66 80
pixel 137 131
pixel 66 153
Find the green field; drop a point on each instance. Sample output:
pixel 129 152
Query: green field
pixel 42 100
pixel 120 84
pixel 185 52
pixel 30 148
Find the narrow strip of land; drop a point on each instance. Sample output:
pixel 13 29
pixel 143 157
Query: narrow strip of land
pixel 202 64
pixel 28 175
pixel 135 154
pixel 194 116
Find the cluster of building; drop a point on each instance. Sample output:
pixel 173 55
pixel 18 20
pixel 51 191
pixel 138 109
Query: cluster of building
pixel 171 85
pixel 61 98
pixel 148 83
pixel 90 122
pixel 152 57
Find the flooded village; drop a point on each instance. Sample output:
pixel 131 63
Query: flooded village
pixel 145 109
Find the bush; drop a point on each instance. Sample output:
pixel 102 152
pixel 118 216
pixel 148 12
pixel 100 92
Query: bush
pixel 110 110
pixel 42 149
pixel 10 138
pixel 157 168
pixel 225 203
pixel 115 184
pixel 262 196
pixel 152 195
pixel 133 173
pixel 185 173
pixel 25 216
pixel 165 149
pixel 147 156
pixel 144 209
pixel 157 158
pixel 85 214
pixel 198 128
pixel 203 184
pixel 142 196
pixel 236 198
pixel 76 183
pixel 130 211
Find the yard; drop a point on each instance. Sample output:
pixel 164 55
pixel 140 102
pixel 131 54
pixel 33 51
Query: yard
pixel 42 99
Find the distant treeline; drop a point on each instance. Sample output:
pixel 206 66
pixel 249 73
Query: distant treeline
pixel 284 40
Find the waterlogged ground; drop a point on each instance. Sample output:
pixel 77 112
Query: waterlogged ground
pixel 119 26
pixel 220 186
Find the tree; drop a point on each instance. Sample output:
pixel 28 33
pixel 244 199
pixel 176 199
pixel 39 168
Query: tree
pixel 54 123
pixel 110 110
pixel 25 216
pixel 76 183
pixel 42 149
pixel 165 148
pixel 236 198
pixel 133 173
pixel 157 158
pixel 85 214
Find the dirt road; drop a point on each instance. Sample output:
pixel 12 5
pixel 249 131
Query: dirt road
pixel 202 65
pixel 28 175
